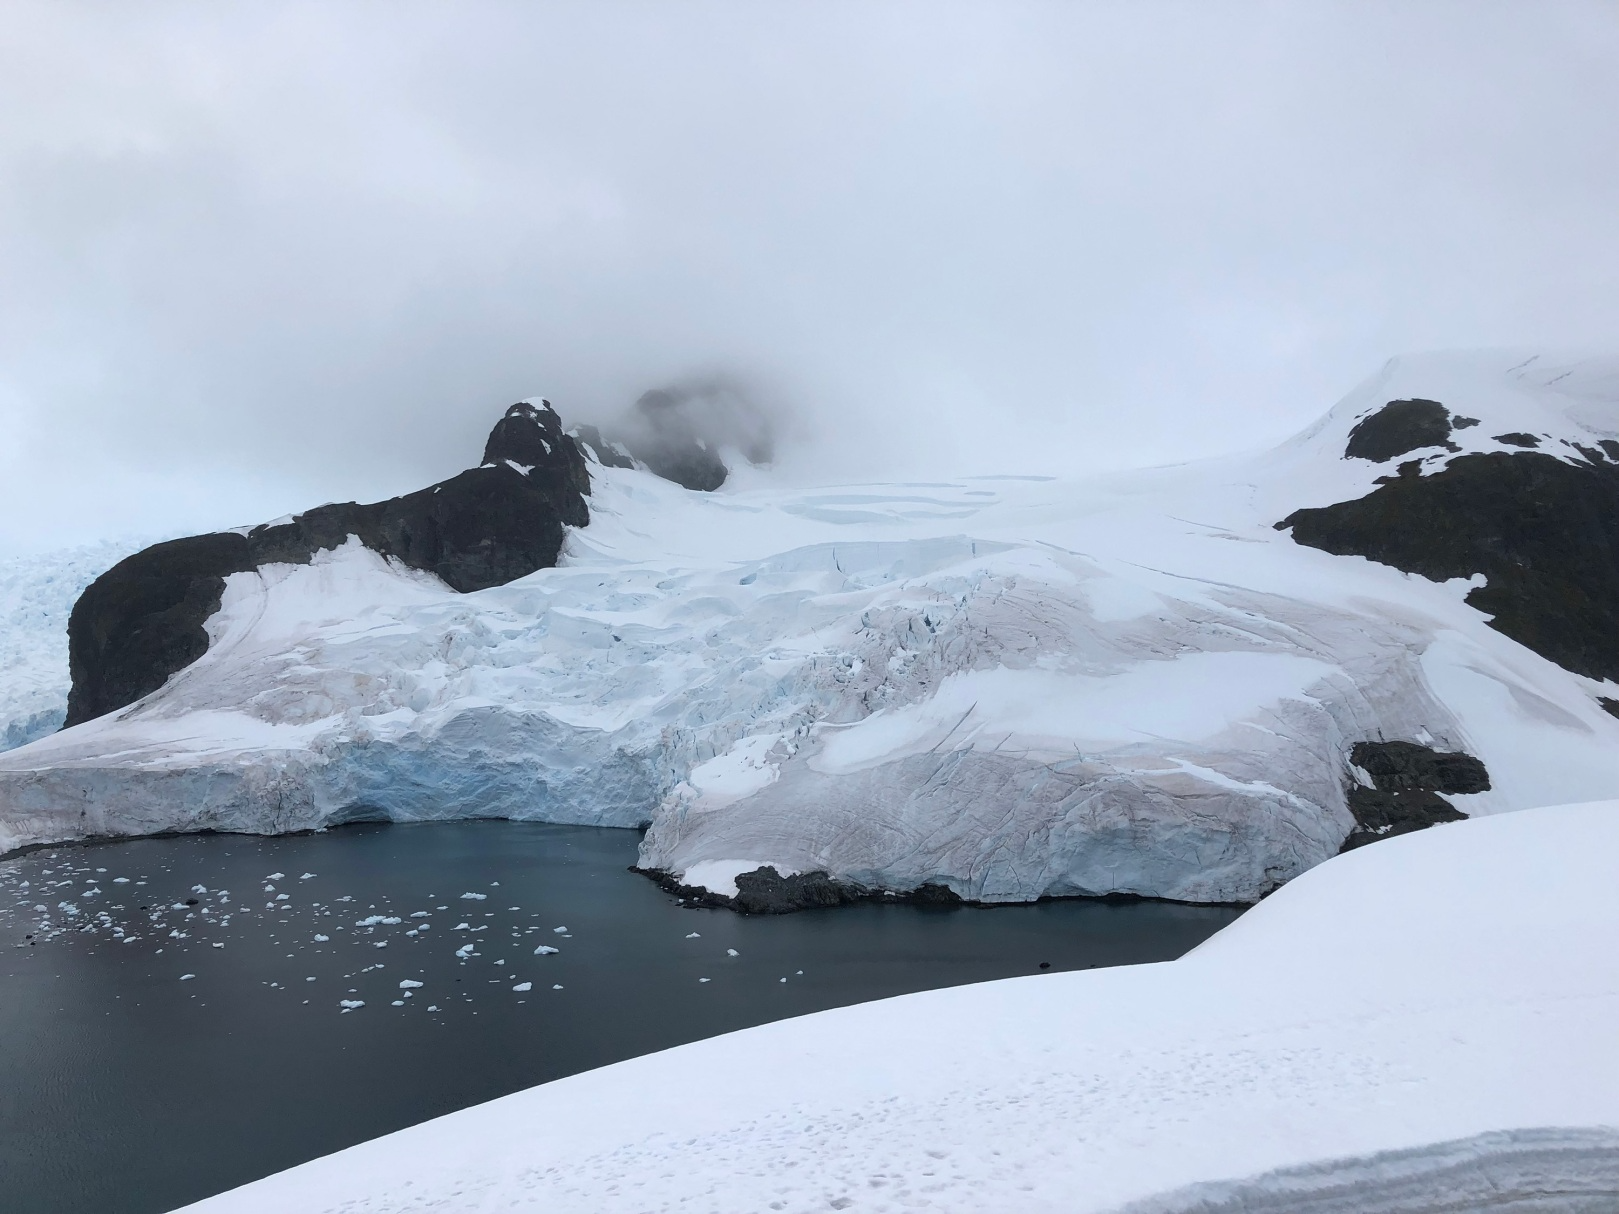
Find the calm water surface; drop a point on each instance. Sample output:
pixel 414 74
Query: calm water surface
pixel 128 1086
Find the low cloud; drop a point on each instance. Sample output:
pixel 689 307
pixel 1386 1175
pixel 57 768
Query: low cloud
pixel 258 257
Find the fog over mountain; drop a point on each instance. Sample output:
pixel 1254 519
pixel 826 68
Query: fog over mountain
pixel 261 257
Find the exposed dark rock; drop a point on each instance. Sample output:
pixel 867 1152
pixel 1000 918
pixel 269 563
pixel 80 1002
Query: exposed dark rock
pixel 1411 467
pixel 1458 422
pixel 764 891
pixel 143 619
pixel 1517 438
pixel 1543 532
pixel 530 437
pixel 1610 706
pixel 607 453
pixel 1398 427
pixel 1407 767
pixel 668 444
pixel 1611 446
pixel 678 431
pixel 1407 780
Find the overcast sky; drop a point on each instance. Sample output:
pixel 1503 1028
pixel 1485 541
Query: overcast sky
pixel 255 257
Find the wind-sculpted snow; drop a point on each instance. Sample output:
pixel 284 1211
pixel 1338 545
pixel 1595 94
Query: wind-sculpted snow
pixel 1004 687
pixel 1534 1171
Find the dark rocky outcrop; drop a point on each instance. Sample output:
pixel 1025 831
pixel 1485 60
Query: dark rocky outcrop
pixel 1517 438
pixel 678 431
pixel 764 891
pixel 1407 780
pixel 142 620
pixel 1398 427
pixel 1544 532
pixel 607 453
pixel 667 442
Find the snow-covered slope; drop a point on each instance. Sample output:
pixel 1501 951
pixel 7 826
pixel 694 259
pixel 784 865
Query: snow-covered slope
pixel 37 592
pixel 1010 687
pixel 1407 1025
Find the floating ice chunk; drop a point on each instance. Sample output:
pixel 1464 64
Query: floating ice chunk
pixel 219 944
pixel 281 897
pixel 523 986
pixel 475 897
pixel 373 920
pixel 408 984
pixel 559 930
pixel 702 979
pixel 120 880
pixel 544 949
pixel 731 952
pixel 432 1007
pixel 464 951
pixel 419 914
pixel 556 986
pixel 199 889
pixel 694 935
pixel 319 939
pixel 380 944
pixel 349 1005
pixel 187 977
pixel 306 876
pixel 311 978
pixel 783 980
pixel 398 1003
pixel 275 876
pixel 462 927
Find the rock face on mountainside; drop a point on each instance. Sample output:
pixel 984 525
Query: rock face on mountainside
pixel 1407 781
pixel 142 620
pixel 664 438
pixel 1543 529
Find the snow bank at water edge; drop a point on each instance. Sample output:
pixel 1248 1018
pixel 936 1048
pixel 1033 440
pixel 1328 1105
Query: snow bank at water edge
pixel 1448 997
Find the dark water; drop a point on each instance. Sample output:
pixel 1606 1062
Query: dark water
pixel 125 1087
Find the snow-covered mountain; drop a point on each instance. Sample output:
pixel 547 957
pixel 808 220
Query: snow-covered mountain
pixel 993 688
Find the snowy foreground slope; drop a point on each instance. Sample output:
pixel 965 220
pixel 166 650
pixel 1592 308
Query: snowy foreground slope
pixel 1008 687
pixel 1449 997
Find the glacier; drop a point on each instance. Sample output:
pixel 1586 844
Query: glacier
pixel 1008 687
pixel 37 592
